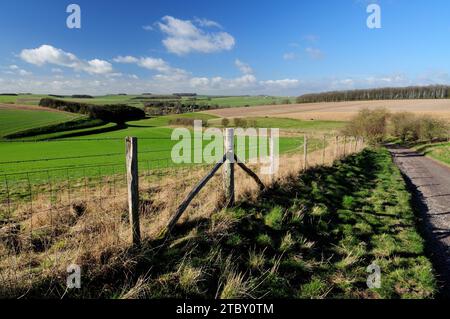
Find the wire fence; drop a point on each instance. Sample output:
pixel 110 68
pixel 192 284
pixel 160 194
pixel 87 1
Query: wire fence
pixel 59 215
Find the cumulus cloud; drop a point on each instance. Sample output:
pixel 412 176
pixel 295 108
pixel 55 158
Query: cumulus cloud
pixel 243 67
pixel 183 36
pixel 207 23
pixel 159 65
pixel 147 27
pixel 125 59
pixel 285 83
pixel 47 54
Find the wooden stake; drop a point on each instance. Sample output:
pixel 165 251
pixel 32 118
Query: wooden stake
pixel 133 188
pixel 228 168
pixel 305 152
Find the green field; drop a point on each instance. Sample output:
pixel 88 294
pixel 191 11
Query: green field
pixel 13 121
pixel 139 100
pixel 100 148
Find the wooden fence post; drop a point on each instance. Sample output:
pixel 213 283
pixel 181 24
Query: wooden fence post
pixel 323 150
pixel 336 151
pixel 272 158
pixel 345 144
pixel 305 152
pixel 228 168
pixel 133 188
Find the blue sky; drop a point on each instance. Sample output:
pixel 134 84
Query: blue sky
pixel 221 47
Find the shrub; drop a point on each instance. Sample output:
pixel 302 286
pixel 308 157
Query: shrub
pixel 225 122
pixel 238 122
pixel 409 127
pixel 82 96
pixel 182 121
pixel 371 124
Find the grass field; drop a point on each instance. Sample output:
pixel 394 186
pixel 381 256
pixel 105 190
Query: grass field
pixel 16 120
pixel 337 111
pixel 139 100
pixel 87 149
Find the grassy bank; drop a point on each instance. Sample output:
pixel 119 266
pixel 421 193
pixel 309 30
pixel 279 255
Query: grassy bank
pixel 438 151
pixel 309 236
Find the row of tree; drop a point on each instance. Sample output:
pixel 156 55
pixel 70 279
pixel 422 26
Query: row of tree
pixel 389 93
pixel 156 108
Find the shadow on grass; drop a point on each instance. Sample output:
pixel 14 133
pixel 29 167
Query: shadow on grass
pixel 117 127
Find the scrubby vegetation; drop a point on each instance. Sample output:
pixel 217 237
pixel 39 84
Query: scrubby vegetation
pixel 390 93
pixel 370 124
pixel 376 125
pixel 309 235
pixel 409 127
pixel 118 113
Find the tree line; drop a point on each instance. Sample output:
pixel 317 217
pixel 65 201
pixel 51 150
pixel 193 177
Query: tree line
pixel 388 93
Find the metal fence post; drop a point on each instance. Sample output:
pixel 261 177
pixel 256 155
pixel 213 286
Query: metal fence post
pixel 133 188
pixel 228 168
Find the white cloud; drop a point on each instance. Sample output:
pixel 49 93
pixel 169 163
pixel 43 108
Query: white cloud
pixel 243 67
pixel 13 67
pixel 125 59
pixel 207 23
pixel 183 37
pixel 57 70
pixel 154 64
pixel 47 54
pixel 147 27
pixel 314 53
pixel 285 83
pixel 289 56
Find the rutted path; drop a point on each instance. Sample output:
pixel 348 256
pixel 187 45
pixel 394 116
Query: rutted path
pixel 430 183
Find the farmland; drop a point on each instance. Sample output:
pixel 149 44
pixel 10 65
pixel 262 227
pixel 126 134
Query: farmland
pixel 140 100
pixel 105 145
pixel 308 235
pixel 14 120
pixel 337 111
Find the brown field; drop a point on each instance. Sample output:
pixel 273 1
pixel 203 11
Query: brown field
pixel 340 111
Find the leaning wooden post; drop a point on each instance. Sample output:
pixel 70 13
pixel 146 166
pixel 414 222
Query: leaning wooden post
pixel 133 188
pixel 305 152
pixel 228 168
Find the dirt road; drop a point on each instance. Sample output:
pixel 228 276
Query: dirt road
pixel 430 185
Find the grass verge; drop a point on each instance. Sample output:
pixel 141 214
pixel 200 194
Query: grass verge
pixel 311 235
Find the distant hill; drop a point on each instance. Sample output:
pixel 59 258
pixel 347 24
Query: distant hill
pixel 388 93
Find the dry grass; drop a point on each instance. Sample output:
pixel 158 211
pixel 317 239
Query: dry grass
pixel 43 240
pixel 338 111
